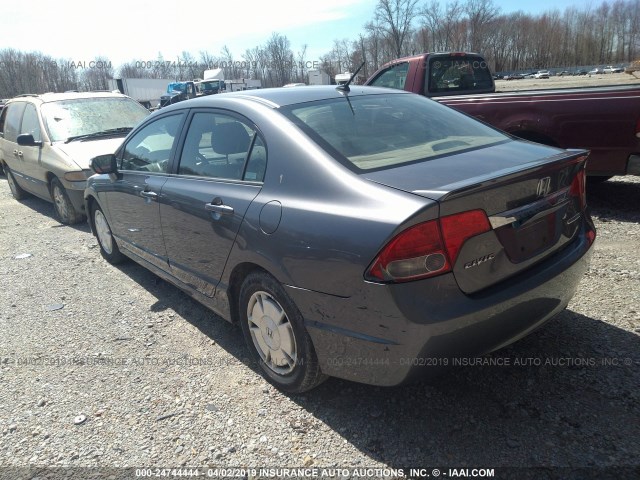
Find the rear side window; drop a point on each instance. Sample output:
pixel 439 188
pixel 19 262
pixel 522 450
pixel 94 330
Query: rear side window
pixel 257 163
pixel 13 120
pixel 381 131
pixel 393 77
pixel 458 73
pixel 217 146
pixel 149 150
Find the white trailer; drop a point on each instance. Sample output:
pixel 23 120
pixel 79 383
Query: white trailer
pixel 243 84
pixel 214 74
pixel 147 91
pixel 319 77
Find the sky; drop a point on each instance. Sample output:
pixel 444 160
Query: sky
pixel 140 30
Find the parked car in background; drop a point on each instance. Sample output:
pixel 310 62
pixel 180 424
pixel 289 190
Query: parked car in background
pixel 580 73
pixel 596 71
pixel 541 74
pixel 514 76
pixel 612 69
pixel 350 231
pixel 47 142
pixel 564 73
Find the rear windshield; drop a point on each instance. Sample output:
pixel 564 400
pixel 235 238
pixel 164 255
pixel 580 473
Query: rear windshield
pixel 83 116
pixel 459 73
pixel 381 131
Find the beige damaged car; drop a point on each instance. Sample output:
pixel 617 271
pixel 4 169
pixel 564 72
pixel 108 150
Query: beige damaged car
pixel 47 142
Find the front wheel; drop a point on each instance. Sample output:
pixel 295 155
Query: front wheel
pixel 274 331
pixel 65 210
pixel 108 246
pixel 16 190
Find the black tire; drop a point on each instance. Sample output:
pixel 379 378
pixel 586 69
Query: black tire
pixel 278 342
pixel 65 210
pixel 597 179
pixel 108 246
pixel 16 190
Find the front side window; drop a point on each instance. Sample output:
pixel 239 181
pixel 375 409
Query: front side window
pixel 64 119
pixel 149 150
pixel 13 120
pixel 30 123
pixel 216 146
pixel 3 118
pixel 380 131
pixel 393 77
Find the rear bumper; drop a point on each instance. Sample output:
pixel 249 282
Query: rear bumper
pixel 389 334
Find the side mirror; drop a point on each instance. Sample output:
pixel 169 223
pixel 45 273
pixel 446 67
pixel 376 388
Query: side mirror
pixel 27 140
pixel 104 164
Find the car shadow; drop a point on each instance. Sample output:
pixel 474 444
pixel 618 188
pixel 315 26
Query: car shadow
pixel 615 200
pixel 566 395
pixel 45 208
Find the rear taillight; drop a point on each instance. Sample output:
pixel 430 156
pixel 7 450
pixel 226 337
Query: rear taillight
pixel 456 229
pixel 578 189
pixel 427 249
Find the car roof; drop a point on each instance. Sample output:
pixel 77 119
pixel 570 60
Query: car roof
pixel 279 97
pixel 54 97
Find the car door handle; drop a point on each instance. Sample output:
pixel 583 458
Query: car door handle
pixel 219 208
pixel 146 194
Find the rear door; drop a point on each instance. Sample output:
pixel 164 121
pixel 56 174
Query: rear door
pixel 12 119
pixel 134 199
pixel 220 172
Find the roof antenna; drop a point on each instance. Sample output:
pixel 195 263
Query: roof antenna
pixel 345 86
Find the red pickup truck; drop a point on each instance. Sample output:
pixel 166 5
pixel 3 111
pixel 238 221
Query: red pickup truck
pixel 604 120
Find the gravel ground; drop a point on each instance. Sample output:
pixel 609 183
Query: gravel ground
pixel 104 366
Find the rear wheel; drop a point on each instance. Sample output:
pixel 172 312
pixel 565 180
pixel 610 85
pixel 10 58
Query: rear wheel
pixel 274 331
pixel 108 246
pixel 16 190
pixel 65 210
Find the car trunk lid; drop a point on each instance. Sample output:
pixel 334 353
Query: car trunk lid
pixel 533 196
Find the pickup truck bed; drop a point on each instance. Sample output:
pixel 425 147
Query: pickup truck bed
pixel 604 120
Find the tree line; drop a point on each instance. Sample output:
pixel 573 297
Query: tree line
pixel 591 35
pixel 586 36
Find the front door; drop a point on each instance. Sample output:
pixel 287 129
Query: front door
pixel 136 195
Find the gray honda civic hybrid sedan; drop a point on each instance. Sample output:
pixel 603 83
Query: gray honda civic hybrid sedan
pixel 362 233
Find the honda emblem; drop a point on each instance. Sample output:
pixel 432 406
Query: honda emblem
pixel 544 187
